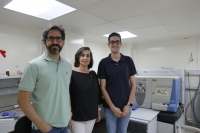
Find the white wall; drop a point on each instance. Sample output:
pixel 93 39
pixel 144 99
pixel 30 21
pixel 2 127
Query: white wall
pixel 173 54
pixel 72 43
pixel 99 51
pixel 22 44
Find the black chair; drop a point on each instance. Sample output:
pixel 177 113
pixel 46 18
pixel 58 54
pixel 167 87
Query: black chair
pixel 23 125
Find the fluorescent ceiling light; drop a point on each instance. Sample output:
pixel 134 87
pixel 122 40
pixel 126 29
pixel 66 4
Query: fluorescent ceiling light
pixel 124 34
pixel 45 9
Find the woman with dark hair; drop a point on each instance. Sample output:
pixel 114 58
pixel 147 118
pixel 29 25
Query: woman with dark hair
pixel 85 93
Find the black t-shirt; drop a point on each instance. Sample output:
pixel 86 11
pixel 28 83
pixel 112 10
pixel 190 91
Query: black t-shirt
pixel 85 96
pixel 117 75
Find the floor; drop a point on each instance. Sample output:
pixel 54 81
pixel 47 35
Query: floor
pixel 99 127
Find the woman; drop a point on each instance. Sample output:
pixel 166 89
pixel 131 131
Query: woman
pixel 85 93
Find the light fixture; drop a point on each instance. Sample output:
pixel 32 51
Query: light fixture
pixel 45 9
pixel 124 34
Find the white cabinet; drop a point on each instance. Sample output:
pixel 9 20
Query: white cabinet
pixel 143 120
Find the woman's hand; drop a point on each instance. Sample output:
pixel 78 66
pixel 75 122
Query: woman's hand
pixel 99 116
pixel 118 113
pixel 126 110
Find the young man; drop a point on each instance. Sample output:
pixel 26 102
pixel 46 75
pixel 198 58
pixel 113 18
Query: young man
pixel 47 79
pixel 117 79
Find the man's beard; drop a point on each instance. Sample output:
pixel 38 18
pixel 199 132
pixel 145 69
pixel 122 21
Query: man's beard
pixel 54 51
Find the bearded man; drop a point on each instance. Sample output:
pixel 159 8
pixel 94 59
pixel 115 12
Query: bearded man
pixel 46 79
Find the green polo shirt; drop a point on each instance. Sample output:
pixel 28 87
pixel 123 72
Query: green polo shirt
pixel 49 83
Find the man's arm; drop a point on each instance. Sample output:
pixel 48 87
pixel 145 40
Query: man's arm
pixel 29 111
pixel 133 87
pixel 115 110
pixel 70 103
pixel 131 96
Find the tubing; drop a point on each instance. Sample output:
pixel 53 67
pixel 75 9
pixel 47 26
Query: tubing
pixel 197 92
pixel 188 128
pixel 179 129
pixel 193 108
pixel 191 128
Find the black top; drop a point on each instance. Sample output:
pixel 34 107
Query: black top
pixel 85 96
pixel 169 117
pixel 117 75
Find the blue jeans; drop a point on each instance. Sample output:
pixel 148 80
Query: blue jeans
pixel 53 130
pixel 114 124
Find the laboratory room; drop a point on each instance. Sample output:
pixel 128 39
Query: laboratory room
pixel 99 66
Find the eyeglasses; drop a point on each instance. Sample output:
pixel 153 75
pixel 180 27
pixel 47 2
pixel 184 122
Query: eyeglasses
pixel 113 42
pixel 51 39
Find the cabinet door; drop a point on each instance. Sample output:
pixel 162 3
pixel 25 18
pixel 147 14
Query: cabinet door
pixel 165 127
pixel 6 83
pixel 137 127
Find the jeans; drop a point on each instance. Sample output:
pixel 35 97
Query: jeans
pixel 53 130
pixel 114 124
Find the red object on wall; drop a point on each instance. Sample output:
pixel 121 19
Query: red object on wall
pixel 3 52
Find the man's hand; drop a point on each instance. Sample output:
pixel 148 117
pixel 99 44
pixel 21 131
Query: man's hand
pixel 70 125
pixel 46 128
pixel 126 110
pixel 118 113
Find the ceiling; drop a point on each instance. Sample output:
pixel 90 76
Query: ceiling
pixel 150 20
